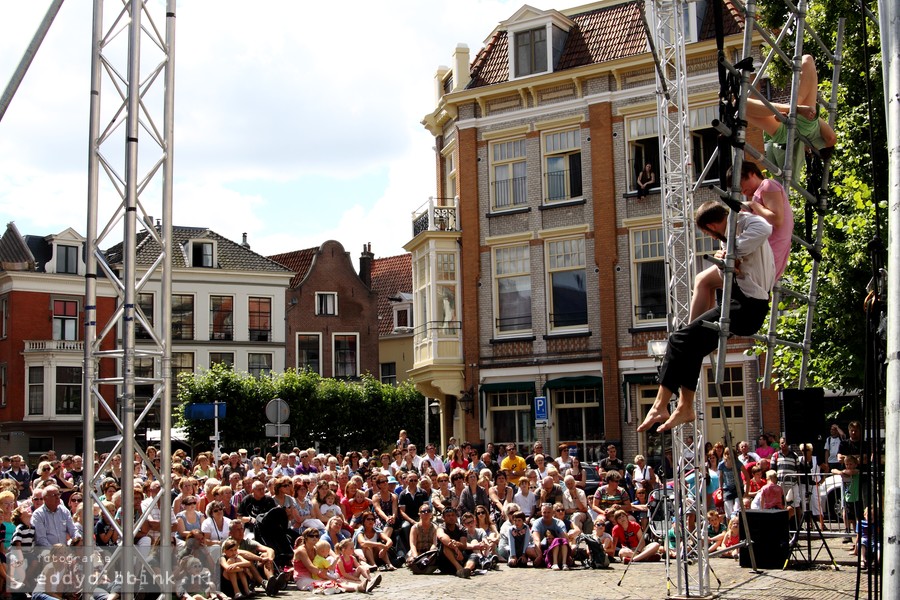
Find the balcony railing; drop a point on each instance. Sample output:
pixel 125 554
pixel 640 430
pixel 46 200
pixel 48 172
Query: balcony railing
pixel 509 193
pixel 518 323
pixel 54 346
pixel 260 335
pixel 647 312
pixel 438 214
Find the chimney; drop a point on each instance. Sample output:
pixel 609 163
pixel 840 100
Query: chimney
pixel 365 264
pixel 244 243
pixel 439 83
pixel 461 75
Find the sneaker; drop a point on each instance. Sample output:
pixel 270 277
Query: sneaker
pixel 272 586
pixel 565 567
pixel 554 568
pixel 283 579
pixel 373 583
pixel 333 590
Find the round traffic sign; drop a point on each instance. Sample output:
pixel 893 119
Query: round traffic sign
pixel 277 411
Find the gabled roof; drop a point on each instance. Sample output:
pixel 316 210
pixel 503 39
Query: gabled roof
pixel 230 255
pixel 15 255
pixel 298 261
pixel 390 276
pixel 599 35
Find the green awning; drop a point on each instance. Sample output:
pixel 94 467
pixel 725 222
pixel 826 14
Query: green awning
pixel 508 386
pixel 584 381
pixel 640 378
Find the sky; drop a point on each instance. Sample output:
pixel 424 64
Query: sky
pixel 296 122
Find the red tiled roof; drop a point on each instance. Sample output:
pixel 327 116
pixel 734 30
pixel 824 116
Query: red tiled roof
pixel 297 261
pixel 599 35
pixel 390 276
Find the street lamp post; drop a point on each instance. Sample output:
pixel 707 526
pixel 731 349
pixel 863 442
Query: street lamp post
pixel 433 407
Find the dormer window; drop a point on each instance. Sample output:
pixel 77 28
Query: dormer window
pixel 67 259
pixel 531 51
pixel 202 254
pixel 401 304
pixel 536 40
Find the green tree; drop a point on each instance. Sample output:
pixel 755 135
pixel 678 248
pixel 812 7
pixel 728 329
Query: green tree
pixel 839 333
pixel 333 414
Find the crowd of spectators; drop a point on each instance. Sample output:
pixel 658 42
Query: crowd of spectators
pixel 348 518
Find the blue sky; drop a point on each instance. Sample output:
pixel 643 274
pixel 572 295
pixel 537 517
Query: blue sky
pixel 296 122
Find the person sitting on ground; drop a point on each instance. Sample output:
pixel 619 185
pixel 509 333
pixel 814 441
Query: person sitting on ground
pixel 482 544
pixel 525 497
pixel 549 536
pixel 550 492
pixel 500 494
pixel 455 557
pixel 422 535
pixel 715 530
pixel 688 346
pixel 816 130
pixel 350 569
pixel 575 504
pixel 473 495
pixel 630 540
pixel 732 537
pixel 520 545
pixel 375 545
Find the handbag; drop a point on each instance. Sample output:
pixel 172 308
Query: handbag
pixel 425 563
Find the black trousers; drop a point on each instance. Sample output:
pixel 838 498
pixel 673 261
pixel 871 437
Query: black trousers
pixel 690 344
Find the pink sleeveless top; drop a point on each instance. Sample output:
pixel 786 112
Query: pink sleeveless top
pixel 780 240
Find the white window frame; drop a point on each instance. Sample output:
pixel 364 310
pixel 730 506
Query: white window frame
pixel 399 308
pixel 297 335
pixel 334 361
pixel 48 387
pixel 561 144
pixel 514 51
pixel 323 296
pixel 58 256
pixel 176 369
pixel 213 263
pixel 734 393
pixel 513 401
pixel 65 320
pixel 550 270
pixel 640 317
pixel 497 265
pixel 262 372
pixel 508 154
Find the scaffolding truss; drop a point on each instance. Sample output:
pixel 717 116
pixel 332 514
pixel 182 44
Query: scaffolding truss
pixel 130 162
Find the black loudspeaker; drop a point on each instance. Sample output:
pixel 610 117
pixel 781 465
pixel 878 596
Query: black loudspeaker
pixel 769 536
pixel 804 416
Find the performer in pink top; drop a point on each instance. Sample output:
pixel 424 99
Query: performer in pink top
pixel 769 200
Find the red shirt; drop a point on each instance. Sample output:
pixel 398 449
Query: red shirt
pixel 629 537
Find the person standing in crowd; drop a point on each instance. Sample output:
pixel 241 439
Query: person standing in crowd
pixel 513 464
pixel 833 447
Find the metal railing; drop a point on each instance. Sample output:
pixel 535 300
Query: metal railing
pixel 437 214
pixel 508 193
pixel 517 323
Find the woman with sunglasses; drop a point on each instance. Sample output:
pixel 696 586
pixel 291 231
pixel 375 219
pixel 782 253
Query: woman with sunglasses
pixel 422 535
pixel 188 519
pixel 386 505
pixel 374 544
pixel 304 555
pixel 44 475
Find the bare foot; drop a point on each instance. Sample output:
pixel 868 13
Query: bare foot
pixel 808 112
pixel 654 416
pixel 683 414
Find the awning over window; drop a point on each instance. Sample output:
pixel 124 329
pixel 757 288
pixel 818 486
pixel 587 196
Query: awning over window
pixel 572 382
pixel 640 378
pixel 508 386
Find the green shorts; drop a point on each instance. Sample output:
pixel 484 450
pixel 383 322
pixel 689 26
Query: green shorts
pixel 775 144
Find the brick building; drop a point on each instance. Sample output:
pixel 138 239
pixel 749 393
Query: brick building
pixel 537 270
pixel 392 284
pixel 42 343
pixel 331 314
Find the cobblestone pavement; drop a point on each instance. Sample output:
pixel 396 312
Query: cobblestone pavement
pixel 642 581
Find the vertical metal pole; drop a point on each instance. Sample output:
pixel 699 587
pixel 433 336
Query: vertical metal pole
pixel 91 345
pixel 890 34
pixel 426 422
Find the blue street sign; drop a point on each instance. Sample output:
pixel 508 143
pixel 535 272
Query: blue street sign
pixel 540 408
pixel 203 411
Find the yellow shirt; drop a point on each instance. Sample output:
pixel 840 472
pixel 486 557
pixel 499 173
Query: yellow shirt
pixel 509 465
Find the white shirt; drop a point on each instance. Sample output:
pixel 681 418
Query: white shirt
pixel 757 261
pixel 436 463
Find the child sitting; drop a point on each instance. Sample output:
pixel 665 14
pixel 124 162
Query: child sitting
pixel 235 568
pixel 195 581
pixel 333 582
pixel 349 567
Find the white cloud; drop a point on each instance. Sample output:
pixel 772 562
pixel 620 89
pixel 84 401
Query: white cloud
pixel 279 91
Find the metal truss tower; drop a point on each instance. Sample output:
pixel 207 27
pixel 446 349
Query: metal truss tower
pixel 668 41
pixel 130 162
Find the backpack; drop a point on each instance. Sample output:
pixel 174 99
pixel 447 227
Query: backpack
pixel 425 563
pixel 598 558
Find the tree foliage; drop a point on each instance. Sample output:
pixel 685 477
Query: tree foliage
pixel 326 413
pixel 837 358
